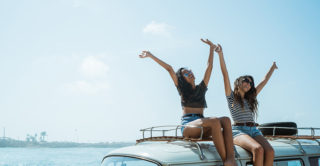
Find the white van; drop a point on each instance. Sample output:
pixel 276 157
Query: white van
pixel 159 149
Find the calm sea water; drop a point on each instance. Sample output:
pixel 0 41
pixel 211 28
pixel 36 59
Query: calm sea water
pixel 52 156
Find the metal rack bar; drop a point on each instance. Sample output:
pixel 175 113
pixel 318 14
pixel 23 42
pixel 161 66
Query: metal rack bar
pixel 202 157
pixel 312 130
pixel 300 147
pixel 317 141
pixel 174 128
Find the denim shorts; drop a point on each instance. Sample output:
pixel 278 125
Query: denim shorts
pixel 240 130
pixel 189 118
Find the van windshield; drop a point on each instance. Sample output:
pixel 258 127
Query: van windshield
pixel 125 161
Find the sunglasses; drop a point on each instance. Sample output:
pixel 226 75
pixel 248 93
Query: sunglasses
pixel 187 73
pixel 247 81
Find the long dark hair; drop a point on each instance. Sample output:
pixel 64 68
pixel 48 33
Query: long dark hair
pixel 250 96
pixel 184 87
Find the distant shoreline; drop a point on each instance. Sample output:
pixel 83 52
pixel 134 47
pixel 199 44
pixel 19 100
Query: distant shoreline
pixel 8 142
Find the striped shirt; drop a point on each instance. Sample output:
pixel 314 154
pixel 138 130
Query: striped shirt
pixel 239 114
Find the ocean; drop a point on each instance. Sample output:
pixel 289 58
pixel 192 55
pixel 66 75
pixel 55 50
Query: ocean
pixel 52 156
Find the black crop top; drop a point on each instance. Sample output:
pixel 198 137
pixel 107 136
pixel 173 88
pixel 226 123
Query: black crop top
pixel 198 99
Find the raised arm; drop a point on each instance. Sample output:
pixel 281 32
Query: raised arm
pixel 207 74
pixel 266 78
pixel 227 86
pixel 146 54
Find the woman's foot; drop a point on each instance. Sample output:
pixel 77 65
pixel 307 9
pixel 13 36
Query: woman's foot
pixel 230 162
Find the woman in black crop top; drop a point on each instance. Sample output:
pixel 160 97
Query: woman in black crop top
pixel 193 103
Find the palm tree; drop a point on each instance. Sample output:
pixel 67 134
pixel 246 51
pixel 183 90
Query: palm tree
pixel 28 138
pixel 35 137
pixel 43 136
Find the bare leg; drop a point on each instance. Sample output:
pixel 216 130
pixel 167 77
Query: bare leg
pixel 228 139
pixel 215 131
pixel 248 143
pixel 268 150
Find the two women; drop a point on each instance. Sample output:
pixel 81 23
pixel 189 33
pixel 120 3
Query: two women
pixel 193 104
pixel 242 104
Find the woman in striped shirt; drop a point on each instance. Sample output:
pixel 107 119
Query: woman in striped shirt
pixel 243 104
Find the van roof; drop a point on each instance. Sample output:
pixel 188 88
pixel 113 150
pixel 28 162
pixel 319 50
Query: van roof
pixel 187 152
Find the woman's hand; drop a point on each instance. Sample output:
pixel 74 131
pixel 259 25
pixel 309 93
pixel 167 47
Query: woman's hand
pixel 274 66
pixel 145 54
pixel 266 78
pixel 173 75
pixel 219 49
pixel 213 46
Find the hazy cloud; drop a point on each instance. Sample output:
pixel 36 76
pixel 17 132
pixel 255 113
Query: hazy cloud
pixel 93 67
pixel 79 3
pixel 156 28
pixel 88 87
pixel 93 75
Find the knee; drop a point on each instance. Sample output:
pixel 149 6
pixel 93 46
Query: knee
pixel 213 122
pixel 258 150
pixel 225 120
pixel 269 152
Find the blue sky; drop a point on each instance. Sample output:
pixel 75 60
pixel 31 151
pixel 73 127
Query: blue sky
pixel 71 67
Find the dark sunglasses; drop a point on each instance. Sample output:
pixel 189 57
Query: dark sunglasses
pixel 247 81
pixel 187 73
